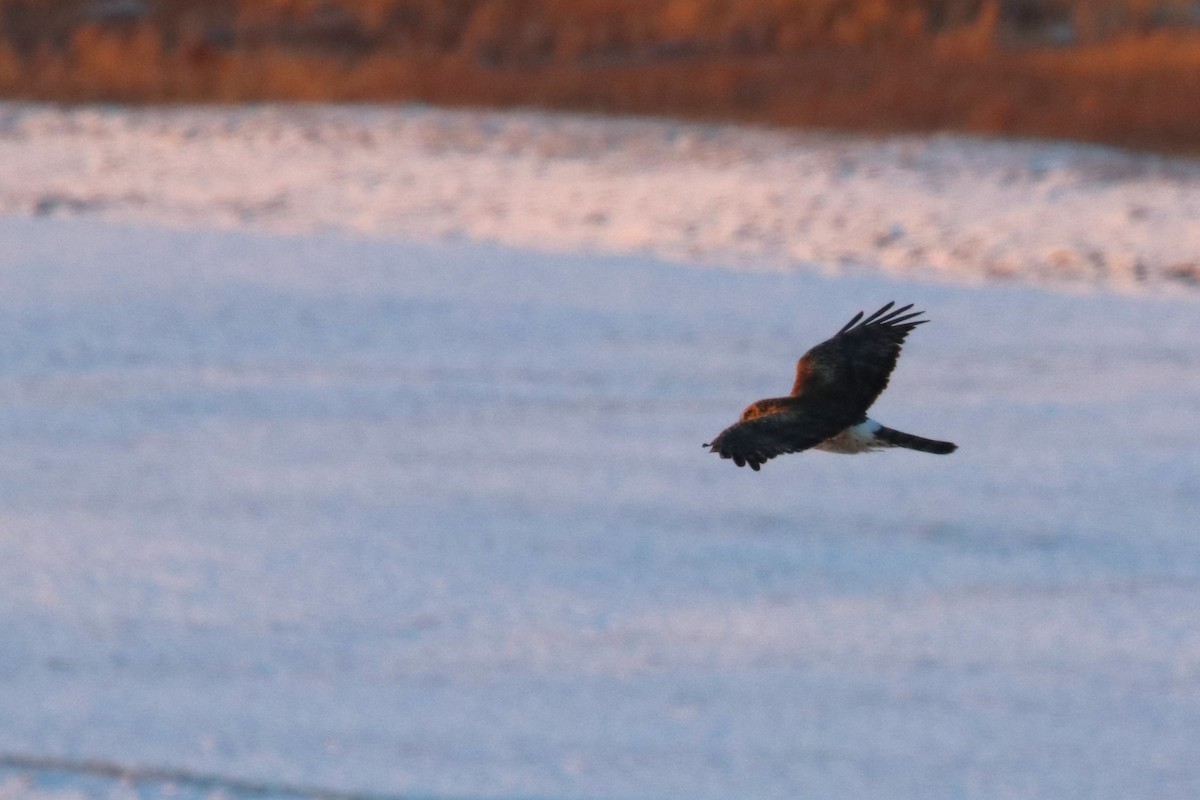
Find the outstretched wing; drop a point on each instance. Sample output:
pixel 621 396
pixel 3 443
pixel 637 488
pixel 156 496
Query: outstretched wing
pixel 787 431
pixel 853 366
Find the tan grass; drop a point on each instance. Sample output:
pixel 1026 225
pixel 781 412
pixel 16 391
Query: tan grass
pixel 860 64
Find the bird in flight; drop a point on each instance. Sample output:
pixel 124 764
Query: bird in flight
pixel 836 382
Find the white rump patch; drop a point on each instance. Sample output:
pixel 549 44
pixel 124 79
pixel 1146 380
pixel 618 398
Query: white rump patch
pixel 858 438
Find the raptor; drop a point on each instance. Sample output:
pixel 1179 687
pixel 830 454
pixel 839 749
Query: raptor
pixel 836 383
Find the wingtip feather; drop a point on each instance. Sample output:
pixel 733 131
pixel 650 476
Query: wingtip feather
pixel 878 313
pixel 850 324
pixel 888 316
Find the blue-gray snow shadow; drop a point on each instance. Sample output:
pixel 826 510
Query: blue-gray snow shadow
pixel 292 506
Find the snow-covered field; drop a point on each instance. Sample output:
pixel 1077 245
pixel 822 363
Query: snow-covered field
pixel 289 510
pixel 909 206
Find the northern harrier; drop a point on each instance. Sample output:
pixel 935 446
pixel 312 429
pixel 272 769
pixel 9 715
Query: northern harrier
pixel 836 382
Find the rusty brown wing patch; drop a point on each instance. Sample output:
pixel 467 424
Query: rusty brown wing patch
pixel 798 427
pixel 853 366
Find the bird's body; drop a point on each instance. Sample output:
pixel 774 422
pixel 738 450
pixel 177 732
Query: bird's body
pixel 836 382
pixel 858 438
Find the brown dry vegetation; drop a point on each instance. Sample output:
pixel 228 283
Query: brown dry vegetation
pixel 1125 71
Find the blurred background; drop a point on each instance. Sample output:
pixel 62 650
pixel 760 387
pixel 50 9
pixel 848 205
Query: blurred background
pixel 1120 71
pixel 352 388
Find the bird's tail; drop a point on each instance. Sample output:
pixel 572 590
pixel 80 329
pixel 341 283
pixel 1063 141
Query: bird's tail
pixel 900 439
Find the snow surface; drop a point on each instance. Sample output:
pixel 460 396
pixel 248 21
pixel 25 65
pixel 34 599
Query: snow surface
pixel 946 206
pixel 318 513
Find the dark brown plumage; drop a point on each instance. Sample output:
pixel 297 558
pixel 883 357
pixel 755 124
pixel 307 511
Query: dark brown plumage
pixel 836 382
